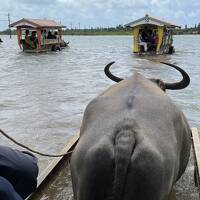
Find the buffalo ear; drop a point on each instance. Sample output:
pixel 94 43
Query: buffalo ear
pixel 159 83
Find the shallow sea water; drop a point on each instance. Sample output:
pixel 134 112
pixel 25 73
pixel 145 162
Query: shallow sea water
pixel 43 96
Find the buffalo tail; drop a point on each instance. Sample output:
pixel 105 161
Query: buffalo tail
pixel 124 146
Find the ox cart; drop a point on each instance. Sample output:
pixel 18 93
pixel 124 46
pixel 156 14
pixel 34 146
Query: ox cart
pixel 39 35
pixel 49 183
pixel 156 36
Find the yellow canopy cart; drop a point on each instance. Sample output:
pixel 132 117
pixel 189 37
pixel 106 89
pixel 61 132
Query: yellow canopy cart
pixel 152 36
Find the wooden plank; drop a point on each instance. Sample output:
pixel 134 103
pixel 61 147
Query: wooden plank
pixel 172 195
pixel 51 168
pixel 51 41
pixel 196 148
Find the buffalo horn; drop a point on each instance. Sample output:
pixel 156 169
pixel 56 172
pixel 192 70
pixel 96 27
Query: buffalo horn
pixel 181 84
pixel 109 75
pixel 170 86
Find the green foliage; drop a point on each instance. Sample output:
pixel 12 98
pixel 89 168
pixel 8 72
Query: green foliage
pixel 7 32
pixel 118 30
pixel 186 30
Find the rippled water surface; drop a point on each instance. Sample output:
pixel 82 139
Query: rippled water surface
pixel 43 96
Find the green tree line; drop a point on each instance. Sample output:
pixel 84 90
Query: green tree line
pixel 118 30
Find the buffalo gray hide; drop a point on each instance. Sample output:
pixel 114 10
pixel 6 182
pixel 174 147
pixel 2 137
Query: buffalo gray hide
pixel 134 144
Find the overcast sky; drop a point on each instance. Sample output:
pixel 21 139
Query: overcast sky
pixel 100 13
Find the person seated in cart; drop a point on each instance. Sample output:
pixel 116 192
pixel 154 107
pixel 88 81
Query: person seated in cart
pixel 44 34
pixel 26 35
pixel 165 36
pixel 33 39
pixel 50 35
pixel 26 39
pixel 18 174
pixel 141 42
pixel 55 36
pixel 154 41
pixel 30 41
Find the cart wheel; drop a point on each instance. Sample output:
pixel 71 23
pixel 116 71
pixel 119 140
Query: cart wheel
pixel 171 50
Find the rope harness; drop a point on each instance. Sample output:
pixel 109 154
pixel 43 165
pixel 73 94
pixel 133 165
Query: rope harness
pixel 32 150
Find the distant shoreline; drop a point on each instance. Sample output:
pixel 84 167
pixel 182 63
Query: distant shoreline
pixel 94 32
pixel 114 34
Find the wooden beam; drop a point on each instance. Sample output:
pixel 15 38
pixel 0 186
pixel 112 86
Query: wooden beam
pixel 51 166
pixel 196 148
pixel 172 195
pixel 50 170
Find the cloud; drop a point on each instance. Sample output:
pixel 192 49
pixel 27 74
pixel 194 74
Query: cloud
pixel 100 12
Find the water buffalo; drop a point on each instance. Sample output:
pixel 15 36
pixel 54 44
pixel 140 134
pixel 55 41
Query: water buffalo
pixel 134 141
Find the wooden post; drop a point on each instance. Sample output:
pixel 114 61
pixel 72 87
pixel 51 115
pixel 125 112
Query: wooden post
pixel 19 35
pixel 135 36
pixel 9 24
pixel 39 38
pixel 160 38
